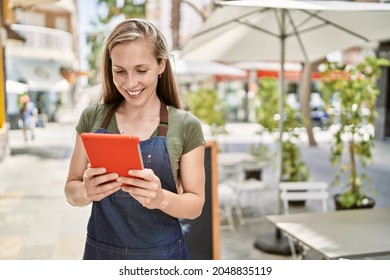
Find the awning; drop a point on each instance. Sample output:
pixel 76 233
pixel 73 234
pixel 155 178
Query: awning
pixel 13 87
pixel 42 76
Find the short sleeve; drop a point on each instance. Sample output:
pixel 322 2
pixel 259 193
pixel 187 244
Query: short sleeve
pixel 193 133
pixel 92 117
pixel 84 124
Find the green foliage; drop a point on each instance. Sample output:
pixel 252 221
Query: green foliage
pixel 95 40
pixel 268 100
pixel 356 89
pixel 94 58
pixel 128 8
pixel 348 199
pixel 209 108
pixel 260 151
pixel 293 168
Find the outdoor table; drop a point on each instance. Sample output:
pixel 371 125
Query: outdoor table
pixel 240 165
pixel 230 159
pixel 353 234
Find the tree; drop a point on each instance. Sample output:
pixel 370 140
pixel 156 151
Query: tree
pixel 128 8
pixel 304 94
pixel 355 88
pixel 209 108
pixel 176 17
pixel 114 8
pixel 293 168
pixel 175 24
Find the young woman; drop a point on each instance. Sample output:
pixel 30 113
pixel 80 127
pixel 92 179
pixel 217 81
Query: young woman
pixel 137 217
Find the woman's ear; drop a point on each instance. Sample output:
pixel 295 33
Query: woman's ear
pixel 161 66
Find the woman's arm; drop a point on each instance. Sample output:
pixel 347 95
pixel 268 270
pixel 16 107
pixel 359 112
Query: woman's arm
pixel 190 203
pixel 146 188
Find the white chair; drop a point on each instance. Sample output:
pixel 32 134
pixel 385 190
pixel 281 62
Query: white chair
pixel 298 191
pixel 249 190
pixel 228 173
pixel 229 205
pixel 309 190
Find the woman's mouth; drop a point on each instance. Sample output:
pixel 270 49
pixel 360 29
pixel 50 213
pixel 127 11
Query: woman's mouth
pixel 133 93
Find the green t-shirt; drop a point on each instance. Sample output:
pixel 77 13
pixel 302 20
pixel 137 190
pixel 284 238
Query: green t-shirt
pixel 184 130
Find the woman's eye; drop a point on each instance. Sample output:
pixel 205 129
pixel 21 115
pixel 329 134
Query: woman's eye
pixel 119 72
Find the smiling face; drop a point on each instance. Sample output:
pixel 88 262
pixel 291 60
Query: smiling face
pixel 135 70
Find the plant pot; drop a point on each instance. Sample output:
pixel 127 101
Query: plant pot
pixel 370 204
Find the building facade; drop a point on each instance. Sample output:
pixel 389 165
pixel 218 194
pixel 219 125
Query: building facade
pixel 46 58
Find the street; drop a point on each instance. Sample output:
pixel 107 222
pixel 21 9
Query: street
pixel 36 222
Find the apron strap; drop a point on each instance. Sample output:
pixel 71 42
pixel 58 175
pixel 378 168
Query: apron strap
pixel 107 119
pixel 162 127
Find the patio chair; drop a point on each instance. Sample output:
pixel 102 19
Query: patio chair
pixel 229 205
pixel 249 190
pixel 298 191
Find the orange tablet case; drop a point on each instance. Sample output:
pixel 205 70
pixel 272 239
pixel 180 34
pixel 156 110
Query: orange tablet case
pixel 115 152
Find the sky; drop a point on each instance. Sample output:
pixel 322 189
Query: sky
pixel 86 13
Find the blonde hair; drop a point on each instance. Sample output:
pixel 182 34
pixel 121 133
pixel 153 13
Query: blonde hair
pixel 130 30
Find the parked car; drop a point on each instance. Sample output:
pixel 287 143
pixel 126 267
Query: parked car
pixel 319 117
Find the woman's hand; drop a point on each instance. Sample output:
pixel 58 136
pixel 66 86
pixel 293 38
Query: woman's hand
pixel 98 184
pixel 145 187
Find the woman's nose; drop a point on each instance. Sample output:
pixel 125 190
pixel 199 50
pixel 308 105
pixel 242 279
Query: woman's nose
pixel 131 81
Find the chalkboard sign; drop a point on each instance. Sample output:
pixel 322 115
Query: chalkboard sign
pixel 202 233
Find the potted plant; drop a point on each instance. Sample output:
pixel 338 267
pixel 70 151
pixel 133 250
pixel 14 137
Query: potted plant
pixel 262 155
pixel 355 90
pixel 293 168
pixel 209 108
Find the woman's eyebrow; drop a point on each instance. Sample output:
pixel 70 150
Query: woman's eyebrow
pixel 136 66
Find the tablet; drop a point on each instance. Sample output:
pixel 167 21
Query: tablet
pixel 116 152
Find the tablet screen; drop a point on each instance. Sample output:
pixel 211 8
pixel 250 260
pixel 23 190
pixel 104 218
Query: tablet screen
pixel 116 152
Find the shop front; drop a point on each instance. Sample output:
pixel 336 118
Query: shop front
pixel 46 87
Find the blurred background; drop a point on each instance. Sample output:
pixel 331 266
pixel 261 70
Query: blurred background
pixel 51 52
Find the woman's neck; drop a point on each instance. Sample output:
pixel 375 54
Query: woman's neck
pixel 140 121
pixel 150 109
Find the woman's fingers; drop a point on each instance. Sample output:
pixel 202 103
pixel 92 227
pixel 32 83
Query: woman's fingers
pixel 144 186
pixel 103 191
pixel 99 185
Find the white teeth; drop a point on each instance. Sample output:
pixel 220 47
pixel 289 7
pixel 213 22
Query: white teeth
pixel 133 93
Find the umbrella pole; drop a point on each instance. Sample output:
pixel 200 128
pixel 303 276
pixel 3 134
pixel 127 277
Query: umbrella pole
pixel 281 105
pixel 276 243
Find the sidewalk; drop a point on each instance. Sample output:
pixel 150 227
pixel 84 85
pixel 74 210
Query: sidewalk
pixel 36 222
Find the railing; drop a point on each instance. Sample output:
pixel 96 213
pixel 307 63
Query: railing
pixel 43 37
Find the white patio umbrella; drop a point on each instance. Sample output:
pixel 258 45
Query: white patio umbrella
pixel 285 30
pixel 183 67
pixel 263 30
pixel 188 70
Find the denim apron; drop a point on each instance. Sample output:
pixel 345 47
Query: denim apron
pixel 120 228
